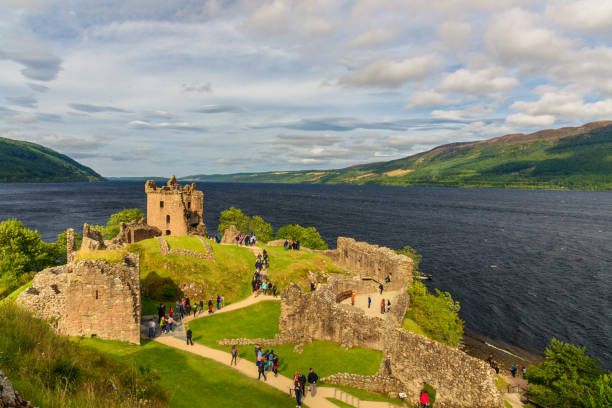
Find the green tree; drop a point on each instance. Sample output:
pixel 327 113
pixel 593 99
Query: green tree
pixel 567 378
pixel 60 246
pixel 437 315
pixel 308 237
pixel 22 252
pixel 602 393
pixel 262 230
pixel 127 215
pixel 233 216
pixel 411 253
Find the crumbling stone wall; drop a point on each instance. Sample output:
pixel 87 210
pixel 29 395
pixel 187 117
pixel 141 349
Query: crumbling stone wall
pixel 135 231
pixel 9 398
pixel 92 239
pixel 70 246
pixel 372 262
pixel 381 384
pixel 165 250
pixel 91 298
pixel 230 234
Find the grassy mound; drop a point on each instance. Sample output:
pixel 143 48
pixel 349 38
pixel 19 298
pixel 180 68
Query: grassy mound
pixel 53 371
pixel 261 321
pixel 111 257
pixel 192 381
pixel 295 266
pixel 189 243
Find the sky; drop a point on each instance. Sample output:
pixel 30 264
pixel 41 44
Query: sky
pixel 158 87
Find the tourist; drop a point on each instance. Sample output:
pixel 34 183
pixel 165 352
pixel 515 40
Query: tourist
pixel 490 359
pixel 151 328
pixel 286 244
pixel 274 290
pixel 381 287
pixel 388 279
pixel 353 299
pixel 270 360
pixel 496 368
pixel 195 310
pixel 297 386
pixel 201 305
pixel 210 304
pixel 182 310
pixel 171 323
pixel 312 286
pixel 302 380
pixel 254 284
pixel 260 370
pixel 163 323
pixel 177 305
pixel 160 313
pixel 275 365
pixel 425 399
pixel 369 301
pixel 264 286
pixel 388 305
pixel 297 244
pixel 256 350
pixel 189 333
pixel 234 355
pixel 312 380
pixel 237 239
pixel 524 371
pixel 218 302
pixel 513 371
pixel 382 306
pixel 222 301
pixel 170 312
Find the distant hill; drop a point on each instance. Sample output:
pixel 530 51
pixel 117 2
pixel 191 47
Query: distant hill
pixel 577 158
pixel 29 162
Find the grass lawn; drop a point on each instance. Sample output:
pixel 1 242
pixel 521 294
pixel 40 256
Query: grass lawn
pixel 412 326
pixel 114 256
pixel 188 243
pixel 365 395
pixel 339 403
pixel 13 296
pixel 507 404
pixel 193 381
pixel 149 306
pixel 261 321
pixel 294 266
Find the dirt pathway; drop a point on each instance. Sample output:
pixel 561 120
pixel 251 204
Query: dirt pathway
pixel 361 302
pixel 282 383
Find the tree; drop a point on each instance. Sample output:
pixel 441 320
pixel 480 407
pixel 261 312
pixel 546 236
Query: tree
pixel 602 393
pixel 60 246
pixel 127 215
pixel 22 252
pixel 437 315
pixel 567 378
pixel 233 216
pixel 308 237
pixel 262 230
pixel 411 253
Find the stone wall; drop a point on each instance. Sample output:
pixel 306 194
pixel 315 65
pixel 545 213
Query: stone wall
pixel 165 250
pixel 230 234
pixel 135 231
pixel 9 398
pixel 70 246
pixel 91 298
pixel 372 262
pixel 381 384
pixel 92 239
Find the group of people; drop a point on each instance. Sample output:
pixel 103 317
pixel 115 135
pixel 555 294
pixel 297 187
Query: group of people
pixel 260 280
pixel 292 244
pixel 264 360
pixel 513 369
pixel 167 319
pixel 299 385
pixel 247 240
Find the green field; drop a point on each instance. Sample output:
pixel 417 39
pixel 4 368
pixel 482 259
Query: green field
pixel 192 381
pixel 261 321
pixel 188 243
pixel 110 256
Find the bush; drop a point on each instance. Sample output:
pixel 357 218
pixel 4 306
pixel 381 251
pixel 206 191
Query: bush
pixel 308 237
pixel 436 314
pixel 54 371
pixel 256 225
pixel 411 253
pixel 568 378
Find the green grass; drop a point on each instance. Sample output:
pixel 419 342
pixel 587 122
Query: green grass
pixel 110 256
pixel 13 296
pixel 52 371
pixel 432 394
pixel 188 243
pixel 294 266
pixel 507 404
pixel 365 395
pixel 412 326
pixel 501 384
pixel 339 403
pixel 149 306
pixel 261 321
pixel 193 381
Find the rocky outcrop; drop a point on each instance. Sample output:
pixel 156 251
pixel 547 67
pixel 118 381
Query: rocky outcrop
pixel 230 234
pixel 92 239
pixel 91 298
pixel 9 398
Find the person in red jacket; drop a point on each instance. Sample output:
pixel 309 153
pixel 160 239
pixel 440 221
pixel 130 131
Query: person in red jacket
pixel 425 399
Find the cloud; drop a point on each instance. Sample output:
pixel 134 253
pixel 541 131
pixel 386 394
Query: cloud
pixel 306 140
pixel 270 18
pixel 220 109
pixel 447 114
pixel 202 88
pixel 372 38
pixel 158 114
pixel 82 107
pixel 348 124
pixel 180 126
pixel 484 81
pixel 524 120
pixel 454 33
pixel 424 99
pixel 387 73
pixel 39 64
pixel 565 105
pixel 38 87
pixel 25 101
pixel 584 15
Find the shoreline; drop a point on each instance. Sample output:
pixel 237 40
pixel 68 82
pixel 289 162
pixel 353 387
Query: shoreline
pixel 504 354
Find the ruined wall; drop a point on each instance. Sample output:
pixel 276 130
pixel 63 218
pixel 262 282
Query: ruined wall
pixel 136 231
pixel 230 234
pixel 372 262
pixel 89 298
pixel 92 239
pixel 174 209
pixel 9 398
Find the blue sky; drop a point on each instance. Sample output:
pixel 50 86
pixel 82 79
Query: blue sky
pixel 148 87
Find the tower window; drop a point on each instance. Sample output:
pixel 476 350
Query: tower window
pixel 161 204
pixel 189 204
pixel 167 219
pixel 96 294
pixel 167 232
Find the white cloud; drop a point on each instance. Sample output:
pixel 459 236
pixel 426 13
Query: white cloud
pixel 566 105
pixel 484 81
pixel 451 114
pixel 424 99
pixel 583 15
pixel 530 121
pixel 389 73
pixel 454 33
pixel 270 18
pixel 373 38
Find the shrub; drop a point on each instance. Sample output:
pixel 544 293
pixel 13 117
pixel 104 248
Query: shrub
pixel 256 225
pixel 436 314
pixel 411 253
pixel 309 237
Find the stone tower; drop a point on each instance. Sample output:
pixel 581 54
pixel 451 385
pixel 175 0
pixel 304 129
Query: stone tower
pixel 175 210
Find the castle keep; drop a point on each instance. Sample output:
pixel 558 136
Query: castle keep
pixel 175 210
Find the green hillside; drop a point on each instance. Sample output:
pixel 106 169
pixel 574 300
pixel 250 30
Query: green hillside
pixel 33 163
pixel 577 158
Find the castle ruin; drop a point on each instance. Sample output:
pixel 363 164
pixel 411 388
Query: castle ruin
pixel 175 210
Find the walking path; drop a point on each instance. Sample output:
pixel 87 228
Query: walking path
pixel 361 302
pixel 177 339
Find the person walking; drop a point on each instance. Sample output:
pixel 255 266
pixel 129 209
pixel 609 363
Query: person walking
pixel 312 380
pixel 234 355
pixel 151 328
pixel 297 387
pixel 222 302
pixel 424 399
pixel 302 380
pixel 382 306
pixel 353 299
pixel 381 287
pixel 201 305
pixel 261 369
pixel 218 302
pixel 369 301
pixel 388 305
pixel 171 323
pixel 513 370
pixel 189 334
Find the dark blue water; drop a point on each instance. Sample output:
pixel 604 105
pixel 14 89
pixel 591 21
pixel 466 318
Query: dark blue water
pixel 525 265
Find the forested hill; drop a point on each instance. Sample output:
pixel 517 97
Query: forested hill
pixel 32 163
pixel 578 158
